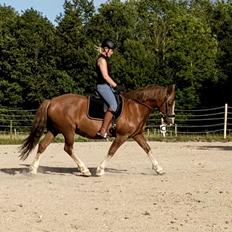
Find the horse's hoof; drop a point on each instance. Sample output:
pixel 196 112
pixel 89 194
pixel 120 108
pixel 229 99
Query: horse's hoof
pixel 32 171
pixel 160 172
pixel 100 171
pixel 86 173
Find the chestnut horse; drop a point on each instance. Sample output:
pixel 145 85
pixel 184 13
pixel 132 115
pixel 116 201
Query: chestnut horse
pixel 67 114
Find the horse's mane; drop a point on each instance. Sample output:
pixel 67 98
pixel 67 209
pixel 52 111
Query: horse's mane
pixel 146 93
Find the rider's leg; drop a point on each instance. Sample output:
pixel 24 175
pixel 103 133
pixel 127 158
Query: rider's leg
pixel 107 94
pixel 106 123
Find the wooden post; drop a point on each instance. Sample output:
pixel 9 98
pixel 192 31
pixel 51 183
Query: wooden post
pixel 148 132
pixel 225 120
pixel 11 129
pixel 176 130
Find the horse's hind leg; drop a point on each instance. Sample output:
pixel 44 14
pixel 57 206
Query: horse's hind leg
pixel 42 146
pixel 68 147
pixel 119 140
pixel 143 143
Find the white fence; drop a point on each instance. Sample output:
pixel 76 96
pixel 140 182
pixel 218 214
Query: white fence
pixel 197 122
pixel 188 122
pixel 14 121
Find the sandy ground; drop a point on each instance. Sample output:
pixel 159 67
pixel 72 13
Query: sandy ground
pixel 194 195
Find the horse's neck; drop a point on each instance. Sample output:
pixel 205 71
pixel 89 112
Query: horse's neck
pixel 145 107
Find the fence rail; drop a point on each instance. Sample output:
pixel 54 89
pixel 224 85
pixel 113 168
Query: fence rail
pixel 187 122
pixel 197 122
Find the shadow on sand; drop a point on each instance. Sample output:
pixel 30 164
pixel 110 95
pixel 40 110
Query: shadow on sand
pixel 224 148
pixel 55 170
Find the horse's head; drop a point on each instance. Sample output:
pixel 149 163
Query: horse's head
pixel 167 106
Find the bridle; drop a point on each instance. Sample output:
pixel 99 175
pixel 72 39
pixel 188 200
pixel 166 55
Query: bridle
pixel 163 115
pixel 166 115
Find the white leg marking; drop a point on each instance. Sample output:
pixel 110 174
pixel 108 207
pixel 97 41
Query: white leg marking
pixel 173 112
pixel 101 168
pixel 35 164
pixel 83 169
pixel 155 165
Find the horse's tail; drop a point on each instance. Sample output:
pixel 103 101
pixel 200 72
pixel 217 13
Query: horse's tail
pixel 38 126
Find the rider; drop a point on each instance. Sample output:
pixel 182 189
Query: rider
pixel 106 85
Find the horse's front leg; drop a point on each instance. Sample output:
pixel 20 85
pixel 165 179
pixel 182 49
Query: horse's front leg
pixel 139 138
pixel 119 140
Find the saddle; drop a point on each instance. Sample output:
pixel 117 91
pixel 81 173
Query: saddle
pixel 97 107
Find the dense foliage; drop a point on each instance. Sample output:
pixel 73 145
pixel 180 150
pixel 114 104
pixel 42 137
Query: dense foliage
pixel 188 43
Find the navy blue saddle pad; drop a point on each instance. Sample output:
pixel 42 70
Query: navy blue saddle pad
pixel 96 107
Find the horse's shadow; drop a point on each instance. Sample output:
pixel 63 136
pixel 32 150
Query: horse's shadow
pixel 224 148
pixel 55 170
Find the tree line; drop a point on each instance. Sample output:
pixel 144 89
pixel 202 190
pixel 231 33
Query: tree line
pixel 187 43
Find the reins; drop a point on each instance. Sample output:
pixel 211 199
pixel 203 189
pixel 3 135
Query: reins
pixel 144 104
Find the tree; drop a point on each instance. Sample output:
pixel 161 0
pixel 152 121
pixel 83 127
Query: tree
pixel 10 89
pixel 221 23
pixel 35 64
pixel 158 42
pixel 75 51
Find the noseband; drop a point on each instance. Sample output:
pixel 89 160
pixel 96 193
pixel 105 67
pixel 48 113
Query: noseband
pixel 166 115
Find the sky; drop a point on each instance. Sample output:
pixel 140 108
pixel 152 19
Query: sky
pixel 48 8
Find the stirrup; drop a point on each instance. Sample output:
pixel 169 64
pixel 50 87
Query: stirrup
pixel 112 130
pixel 100 136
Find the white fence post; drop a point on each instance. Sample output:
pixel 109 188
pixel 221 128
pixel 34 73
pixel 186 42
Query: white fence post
pixel 176 130
pixel 225 120
pixel 11 126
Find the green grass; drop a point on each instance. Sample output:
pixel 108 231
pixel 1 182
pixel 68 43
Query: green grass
pixel 18 139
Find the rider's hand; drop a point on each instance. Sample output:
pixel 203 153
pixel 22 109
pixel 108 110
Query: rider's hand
pixel 119 89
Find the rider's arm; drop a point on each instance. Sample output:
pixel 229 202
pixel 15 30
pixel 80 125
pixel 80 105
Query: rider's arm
pixel 103 67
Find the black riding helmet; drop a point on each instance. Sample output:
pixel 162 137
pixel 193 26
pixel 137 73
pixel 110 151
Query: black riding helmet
pixel 108 44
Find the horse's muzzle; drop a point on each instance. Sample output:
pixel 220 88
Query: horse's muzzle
pixel 168 118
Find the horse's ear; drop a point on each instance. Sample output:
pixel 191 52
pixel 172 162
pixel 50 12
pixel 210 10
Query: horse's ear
pixel 171 89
